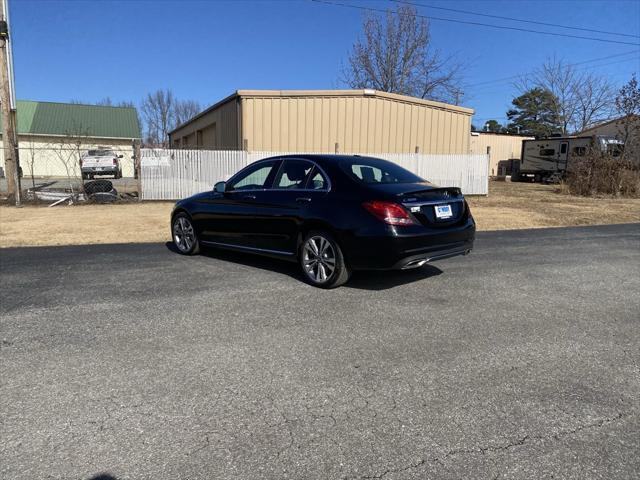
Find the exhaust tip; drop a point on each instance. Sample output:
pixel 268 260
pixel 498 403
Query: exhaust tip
pixel 415 264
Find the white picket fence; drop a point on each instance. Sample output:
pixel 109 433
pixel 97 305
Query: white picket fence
pixel 171 174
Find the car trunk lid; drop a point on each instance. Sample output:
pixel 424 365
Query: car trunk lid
pixel 435 206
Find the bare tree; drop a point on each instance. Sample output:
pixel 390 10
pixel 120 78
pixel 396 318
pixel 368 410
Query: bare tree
pixel 185 110
pixel 67 151
pixel 580 99
pixel 159 115
pixel 628 107
pixel 105 102
pixel 395 56
pixel 30 158
pixel 595 101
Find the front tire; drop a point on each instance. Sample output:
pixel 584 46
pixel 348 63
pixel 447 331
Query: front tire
pixel 322 261
pixel 184 235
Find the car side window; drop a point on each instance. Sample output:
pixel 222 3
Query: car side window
pixel 293 174
pixel 253 178
pixel 317 181
pixel 372 174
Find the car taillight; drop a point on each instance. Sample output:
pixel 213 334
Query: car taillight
pixel 81 163
pixel 388 212
pixel 115 162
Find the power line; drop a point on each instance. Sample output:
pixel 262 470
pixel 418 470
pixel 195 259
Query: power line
pixel 466 22
pixel 419 4
pixel 490 83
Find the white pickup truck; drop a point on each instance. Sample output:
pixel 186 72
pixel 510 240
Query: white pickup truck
pixel 101 161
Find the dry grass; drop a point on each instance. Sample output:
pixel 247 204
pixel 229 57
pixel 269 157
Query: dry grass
pixel 528 205
pixel 509 206
pixel 84 224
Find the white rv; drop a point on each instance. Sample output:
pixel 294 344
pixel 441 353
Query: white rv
pixel 546 159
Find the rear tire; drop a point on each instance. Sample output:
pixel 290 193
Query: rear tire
pixel 184 234
pixel 322 261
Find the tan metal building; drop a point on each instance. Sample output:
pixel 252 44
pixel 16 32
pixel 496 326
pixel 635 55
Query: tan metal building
pixel 347 121
pixel 502 148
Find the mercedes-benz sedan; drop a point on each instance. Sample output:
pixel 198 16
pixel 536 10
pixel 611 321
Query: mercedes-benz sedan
pixel 330 213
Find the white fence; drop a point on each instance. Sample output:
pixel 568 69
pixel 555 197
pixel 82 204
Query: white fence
pixel 170 174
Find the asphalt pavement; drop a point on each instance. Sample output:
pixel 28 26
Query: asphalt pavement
pixel 519 361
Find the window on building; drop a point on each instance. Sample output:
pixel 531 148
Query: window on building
pixel 547 152
pixel 198 138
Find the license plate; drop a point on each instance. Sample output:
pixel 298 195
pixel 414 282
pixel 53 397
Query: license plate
pixel 443 211
pixel 99 169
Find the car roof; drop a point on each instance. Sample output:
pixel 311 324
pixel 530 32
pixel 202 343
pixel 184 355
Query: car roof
pixel 326 157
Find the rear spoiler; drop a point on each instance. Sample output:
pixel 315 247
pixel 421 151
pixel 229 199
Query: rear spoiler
pixel 433 194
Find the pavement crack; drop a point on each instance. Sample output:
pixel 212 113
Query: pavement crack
pixel 528 438
pixel 201 447
pixel 483 450
pixel 396 470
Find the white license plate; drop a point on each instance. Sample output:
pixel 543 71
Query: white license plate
pixel 443 211
pixel 99 169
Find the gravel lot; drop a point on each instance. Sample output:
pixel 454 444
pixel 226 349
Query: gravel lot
pixel 518 361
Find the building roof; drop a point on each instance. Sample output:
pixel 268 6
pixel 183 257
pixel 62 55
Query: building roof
pixel 504 134
pixel 328 93
pixel 50 118
pixel 607 122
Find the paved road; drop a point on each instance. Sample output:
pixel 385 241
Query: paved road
pixel 519 361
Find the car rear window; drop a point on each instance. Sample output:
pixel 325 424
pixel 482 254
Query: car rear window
pixel 100 153
pixel 374 170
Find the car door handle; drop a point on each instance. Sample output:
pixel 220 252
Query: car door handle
pixel 249 197
pixel 303 199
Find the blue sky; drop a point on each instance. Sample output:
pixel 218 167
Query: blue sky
pixel 204 50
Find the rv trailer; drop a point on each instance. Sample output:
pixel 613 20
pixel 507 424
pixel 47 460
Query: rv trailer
pixel 546 159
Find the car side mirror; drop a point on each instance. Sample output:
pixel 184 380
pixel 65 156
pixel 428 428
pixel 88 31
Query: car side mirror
pixel 220 187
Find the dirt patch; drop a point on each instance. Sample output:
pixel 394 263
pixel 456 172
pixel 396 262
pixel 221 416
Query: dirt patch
pixel 508 206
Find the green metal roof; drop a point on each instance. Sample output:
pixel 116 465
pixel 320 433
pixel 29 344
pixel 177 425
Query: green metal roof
pixel 49 118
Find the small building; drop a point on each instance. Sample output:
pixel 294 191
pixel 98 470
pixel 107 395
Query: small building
pixel 503 148
pixel 345 121
pixel 51 135
pixel 626 129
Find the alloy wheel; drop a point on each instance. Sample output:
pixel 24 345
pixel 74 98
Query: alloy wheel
pixel 319 259
pixel 183 234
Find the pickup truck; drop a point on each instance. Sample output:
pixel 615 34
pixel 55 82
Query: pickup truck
pixel 101 161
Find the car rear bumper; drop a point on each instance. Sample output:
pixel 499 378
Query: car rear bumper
pixel 416 261
pixel 100 170
pixel 409 251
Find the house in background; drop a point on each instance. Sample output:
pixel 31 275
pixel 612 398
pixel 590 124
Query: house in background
pixel 626 129
pixel 51 135
pixel 503 148
pixel 345 121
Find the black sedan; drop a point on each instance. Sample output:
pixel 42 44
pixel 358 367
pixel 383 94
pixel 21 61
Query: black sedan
pixel 330 213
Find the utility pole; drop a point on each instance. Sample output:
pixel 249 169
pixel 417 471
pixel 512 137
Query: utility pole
pixel 9 137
